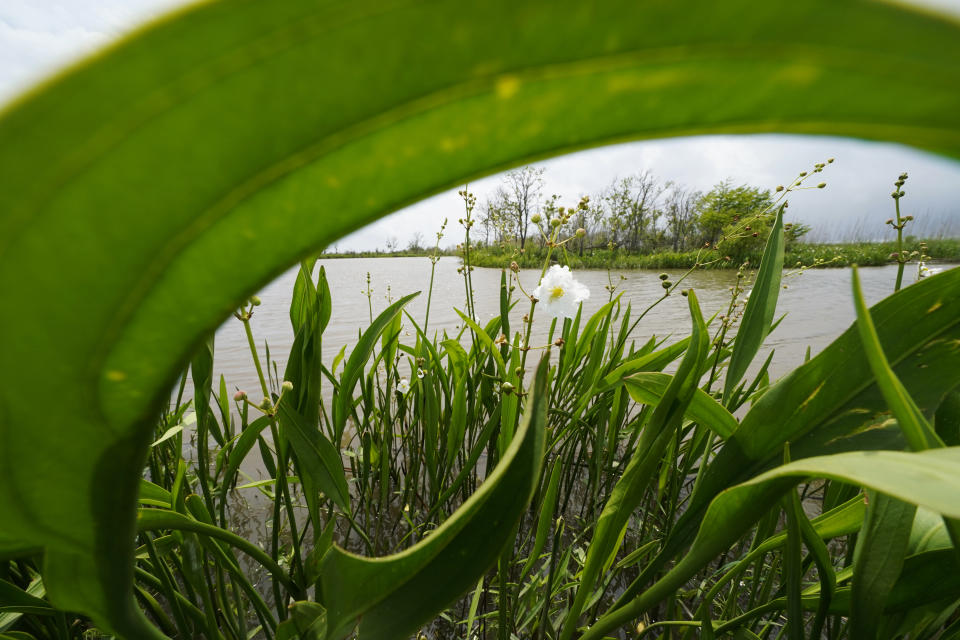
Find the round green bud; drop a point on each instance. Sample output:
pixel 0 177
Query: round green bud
pixel 287 385
pixel 664 276
pixel 535 218
pixel 555 222
pixel 255 301
pixel 821 185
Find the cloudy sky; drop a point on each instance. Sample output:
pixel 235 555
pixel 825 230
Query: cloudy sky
pixel 39 36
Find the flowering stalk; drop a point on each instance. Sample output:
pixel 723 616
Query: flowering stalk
pixel 899 224
pixel 282 495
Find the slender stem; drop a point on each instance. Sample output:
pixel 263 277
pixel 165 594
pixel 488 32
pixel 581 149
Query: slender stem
pixel 284 494
pixel 901 261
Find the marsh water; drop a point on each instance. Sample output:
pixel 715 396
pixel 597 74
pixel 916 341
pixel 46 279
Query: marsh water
pixel 817 304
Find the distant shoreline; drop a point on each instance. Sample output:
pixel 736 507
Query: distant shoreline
pixel 833 255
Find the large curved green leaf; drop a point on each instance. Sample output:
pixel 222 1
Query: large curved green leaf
pixel 148 191
pixel 390 597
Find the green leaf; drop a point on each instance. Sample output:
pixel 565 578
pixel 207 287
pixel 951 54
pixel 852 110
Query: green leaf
pixel 318 458
pixel 361 353
pixel 304 294
pixel 761 307
pixel 390 597
pixel 289 116
pixel 159 519
pixel 878 559
pixel 649 388
pixel 486 341
pixel 649 362
pixel 241 448
pixel 918 432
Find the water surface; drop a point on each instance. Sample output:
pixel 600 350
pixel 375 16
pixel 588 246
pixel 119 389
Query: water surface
pixel 817 304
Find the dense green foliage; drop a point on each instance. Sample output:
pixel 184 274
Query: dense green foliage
pixel 239 137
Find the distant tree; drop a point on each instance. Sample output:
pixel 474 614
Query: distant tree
pixel 680 210
pixel 520 196
pixel 549 210
pixel 488 219
pixel 726 210
pixel 589 218
pixel 416 242
pixel 632 205
pixel 392 244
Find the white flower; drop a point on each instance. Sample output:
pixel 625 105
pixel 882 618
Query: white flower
pixel 403 386
pixel 421 373
pixel 923 271
pixel 559 293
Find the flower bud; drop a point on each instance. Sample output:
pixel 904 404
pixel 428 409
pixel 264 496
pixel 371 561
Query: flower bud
pixel 664 276
pixel 240 396
pixel 507 388
pixel 581 232
pixel 684 293
pixel 666 284
pixel 555 222
pixel 255 301
pixel 287 385
pixel 514 266
pixel 779 188
pixel 535 218
pixel 558 342
pixel 265 404
pixel 908 218
pixel 894 256
pixel 889 221
pixel 829 160
pixel 821 185
pixel 803 174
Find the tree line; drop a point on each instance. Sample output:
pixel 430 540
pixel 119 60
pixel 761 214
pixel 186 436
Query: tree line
pixel 638 213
